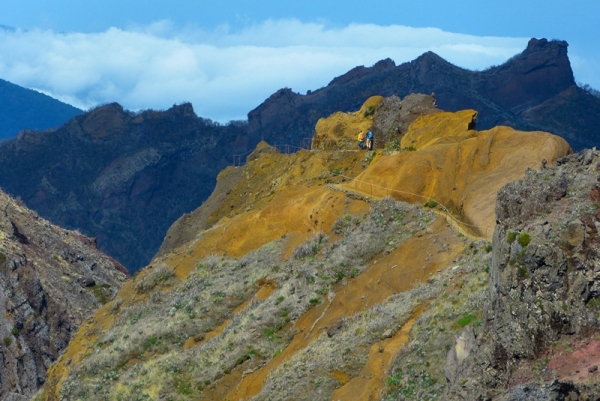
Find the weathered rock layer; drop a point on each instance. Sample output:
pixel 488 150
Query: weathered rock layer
pixel 51 279
pixel 543 296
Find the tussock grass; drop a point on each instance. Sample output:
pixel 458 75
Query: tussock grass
pixel 158 276
pixel 418 372
pixel 178 342
pixel 311 247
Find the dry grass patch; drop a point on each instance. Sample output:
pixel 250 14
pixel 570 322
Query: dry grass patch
pixel 144 357
pixel 418 372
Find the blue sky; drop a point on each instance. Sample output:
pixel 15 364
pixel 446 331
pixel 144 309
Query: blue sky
pixel 226 57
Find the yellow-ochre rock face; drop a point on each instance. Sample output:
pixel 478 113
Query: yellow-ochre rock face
pixel 439 128
pixel 276 203
pixel 460 168
pixel 340 130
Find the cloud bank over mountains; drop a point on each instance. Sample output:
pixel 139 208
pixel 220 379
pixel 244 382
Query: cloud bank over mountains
pixel 224 73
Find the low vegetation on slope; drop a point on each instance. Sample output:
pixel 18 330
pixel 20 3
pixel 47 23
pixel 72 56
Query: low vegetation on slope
pixel 297 281
pixel 229 317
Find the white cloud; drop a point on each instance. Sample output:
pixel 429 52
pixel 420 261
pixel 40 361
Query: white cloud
pixel 224 74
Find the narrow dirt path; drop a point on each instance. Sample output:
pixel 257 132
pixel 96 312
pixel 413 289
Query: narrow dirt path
pixel 459 226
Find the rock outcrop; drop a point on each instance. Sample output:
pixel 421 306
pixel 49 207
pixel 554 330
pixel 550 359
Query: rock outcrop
pixel 51 279
pixel 457 166
pixel 539 332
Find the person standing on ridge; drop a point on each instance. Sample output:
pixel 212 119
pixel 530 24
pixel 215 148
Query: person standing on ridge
pixel 370 140
pixel 361 140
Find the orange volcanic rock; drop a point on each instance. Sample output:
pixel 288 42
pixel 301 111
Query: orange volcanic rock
pixel 340 130
pixel 460 168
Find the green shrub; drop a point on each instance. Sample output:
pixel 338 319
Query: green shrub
pixel 512 236
pixel 369 111
pixel 15 331
pixel 394 380
pixel 7 341
pixel 522 271
pixel 465 320
pixel 524 239
pixel 394 144
pixel 150 342
pixel 102 293
pixel 594 303
pixel 431 204
pixel 414 384
pixel 2 258
pixel 183 385
pixel 270 334
pixel 314 301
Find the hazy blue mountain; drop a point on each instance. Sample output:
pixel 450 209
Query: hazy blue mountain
pixel 22 108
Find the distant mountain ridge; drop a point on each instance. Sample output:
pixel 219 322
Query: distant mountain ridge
pixel 126 177
pixel 22 108
pixel 121 177
pixel 534 90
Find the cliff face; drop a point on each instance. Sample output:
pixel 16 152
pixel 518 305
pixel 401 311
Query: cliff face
pixel 120 177
pixel 534 90
pixel 304 275
pixel 541 321
pixel 51 280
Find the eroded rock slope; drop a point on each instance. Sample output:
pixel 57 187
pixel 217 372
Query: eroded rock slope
pixel 51 279
pixel 539 338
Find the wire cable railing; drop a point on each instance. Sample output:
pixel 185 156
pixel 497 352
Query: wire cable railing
pixel 242 158
pixel 470 230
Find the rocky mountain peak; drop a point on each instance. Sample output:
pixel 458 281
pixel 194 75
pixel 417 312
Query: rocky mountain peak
pixel 183 109
pixel 544 45
pixel 429 58
pixel 104 122
pixel 362 71
pixel 541 71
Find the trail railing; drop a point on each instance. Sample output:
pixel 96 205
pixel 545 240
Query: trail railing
pixel 242 158
pixel 379 192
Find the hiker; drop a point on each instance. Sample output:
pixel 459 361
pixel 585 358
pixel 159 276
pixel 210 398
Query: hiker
pixel 370 140
pixel 361 140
